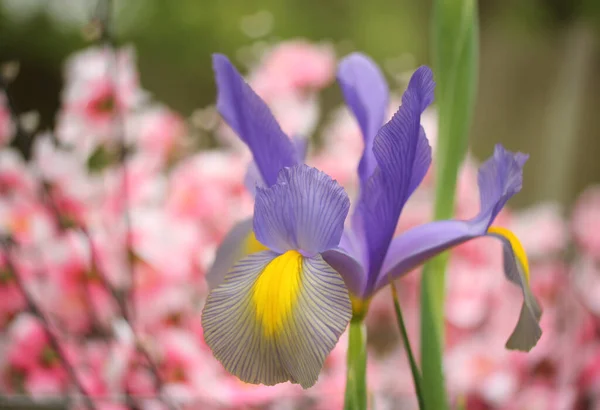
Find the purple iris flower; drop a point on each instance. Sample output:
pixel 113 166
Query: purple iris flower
pixel 395 161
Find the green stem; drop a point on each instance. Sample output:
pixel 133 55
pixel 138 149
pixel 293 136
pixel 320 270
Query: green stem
pixel 356 376
pixel 409 352
pixel 455 58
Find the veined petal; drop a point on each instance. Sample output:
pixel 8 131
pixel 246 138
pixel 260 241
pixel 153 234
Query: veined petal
pixel 403 156
pixel 516 268
pixel 239 242
pixel 366 93
pixel 305 210
pixel 276 318
pixel 499 178
pixel 248 115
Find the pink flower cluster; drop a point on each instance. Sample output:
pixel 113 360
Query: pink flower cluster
pixel 108 229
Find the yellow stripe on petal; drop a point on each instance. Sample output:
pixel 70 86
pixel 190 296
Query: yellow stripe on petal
pixel 276 291
pixel 252 245
pixel 516 245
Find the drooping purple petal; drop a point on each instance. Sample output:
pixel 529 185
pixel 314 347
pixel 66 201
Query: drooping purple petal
pixel 403 156
pixel 248 115
pixel 366 93
pixel 527 332
pixel 305 210
pixel 349 269
pixel 499 178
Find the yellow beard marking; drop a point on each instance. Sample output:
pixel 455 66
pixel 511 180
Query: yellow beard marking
pixel 252 245
pixel 516 245
pixel 276 291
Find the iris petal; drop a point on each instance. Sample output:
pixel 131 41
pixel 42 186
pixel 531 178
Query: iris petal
pixel 231 329
pixel 499 178
pixel 322 314
pixel 366 93
pixel 349 268
pixel 248 115
pixel 516 268
pixel 276 317
pixel 239 242
pixel 305 210
pixel 403 156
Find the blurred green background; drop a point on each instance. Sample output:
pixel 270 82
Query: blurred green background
pixel 539 83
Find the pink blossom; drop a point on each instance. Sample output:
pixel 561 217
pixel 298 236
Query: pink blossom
pixel 208 188
pixel 586 220
pixel 31 362
pixel 159 132
pixel 541 229
pixel 26 221
pixel 586 276
pixel 11 298
pixel 6 125
pixel 478 368
pixel 91 97
pixel 469 294
pixel 15 176
pixel 76 292
pixel 294 65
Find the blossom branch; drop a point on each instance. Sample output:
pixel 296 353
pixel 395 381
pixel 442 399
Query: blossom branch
pixel 106 37
pixel 52 338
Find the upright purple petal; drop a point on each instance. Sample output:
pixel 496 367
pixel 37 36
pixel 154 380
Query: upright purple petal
pixel 403 156
pixel 253 177
pixel 301 145
pixel 499 178
pixel 248 115
pixel 366 94
pixel 305 210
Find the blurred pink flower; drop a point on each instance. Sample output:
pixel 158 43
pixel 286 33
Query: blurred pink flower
pixel 293 66
pixel 207 189
pixel 586 221
pixel 6 124
pixel 159 132
pixel 26 221
pixel 16 178
pixel 541 229
pixel 31 364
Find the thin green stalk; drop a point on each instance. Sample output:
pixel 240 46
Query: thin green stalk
pixel 409 352
pixel 455 61
pixel 356 376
